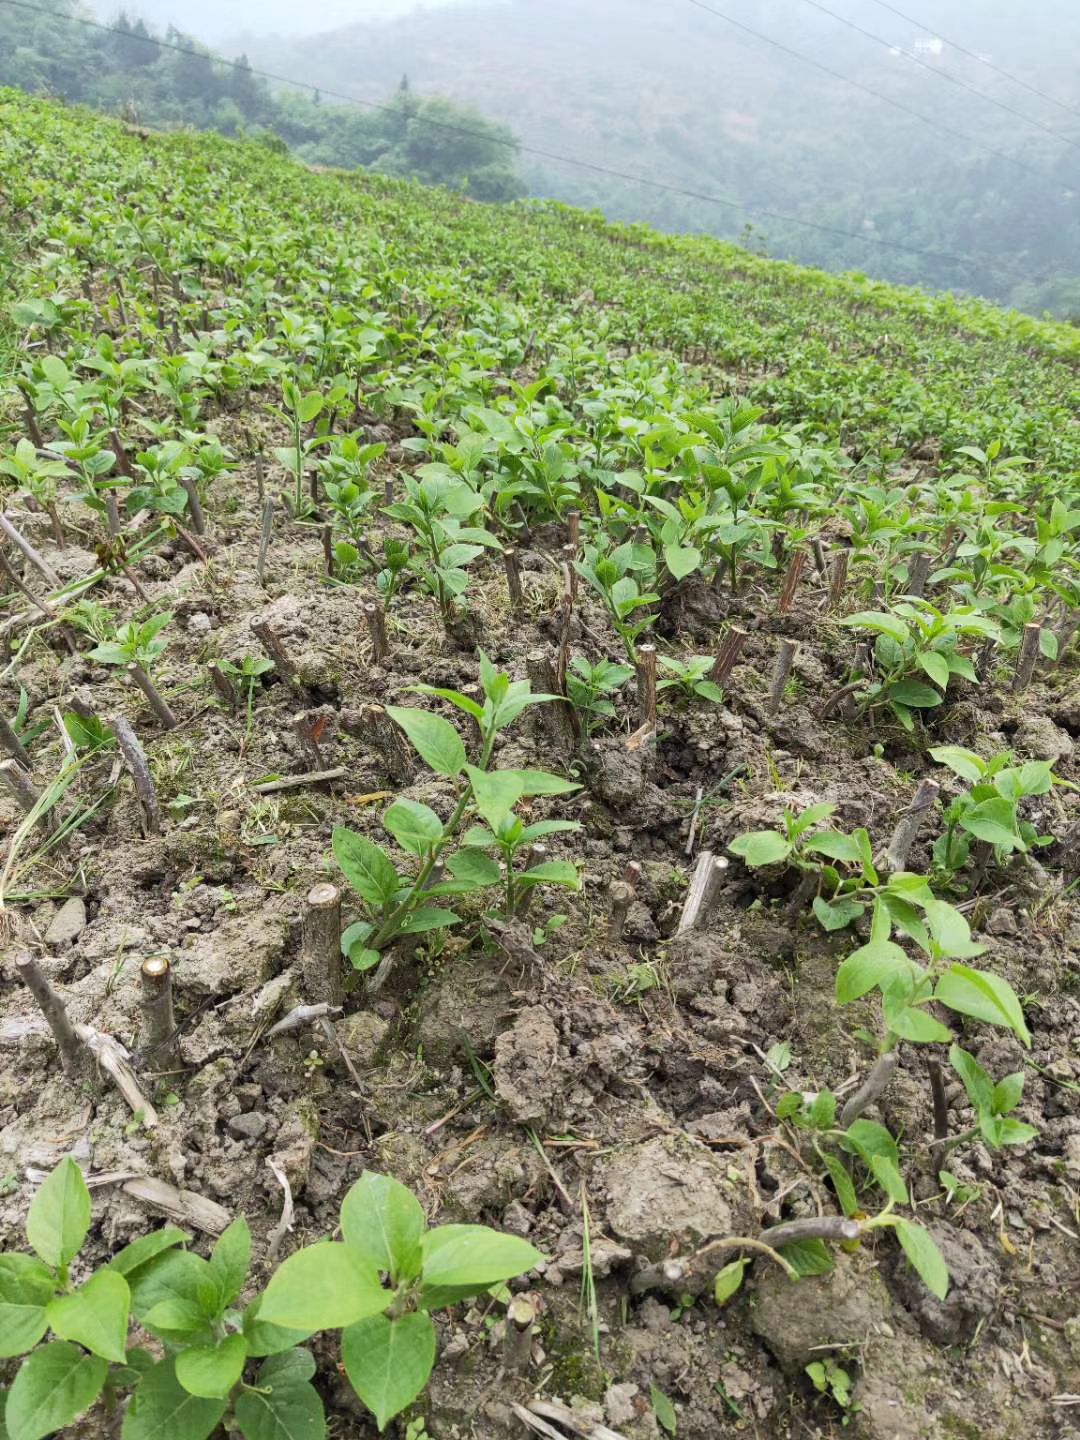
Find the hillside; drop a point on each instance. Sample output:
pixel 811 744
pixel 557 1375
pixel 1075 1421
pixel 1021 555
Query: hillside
pixel 541 821
pixel 677 94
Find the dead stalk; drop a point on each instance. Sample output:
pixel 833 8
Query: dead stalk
pixel 517 1337
pixel 135 759
pixel 1029 654
pixel 622 897
pixel 704 887
pixel 873 1086
pixel 727 656
pixel 224 685
pixel 838 573
pixel 646 683
pixel 373 725
pixel 159 1019
pixel 195 510
pixel 26 794
pixel 264 537
pixel 375 619
pixel 785 658
pixel 47 573
pixel 813 1227
pixel 513 577
pixel 322 967
pixel 10 742
pixel 556 719
pixel 138 677
pixel 908 827
pixel 796 565
pixel 74 1056
pixel 271 643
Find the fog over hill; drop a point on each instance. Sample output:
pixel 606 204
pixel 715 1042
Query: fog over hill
pixel 990 192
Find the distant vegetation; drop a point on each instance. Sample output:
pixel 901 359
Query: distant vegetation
pixel 425 138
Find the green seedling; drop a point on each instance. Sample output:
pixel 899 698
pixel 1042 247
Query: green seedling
pixel 689 678
pixel 588 687
pixel 396 904
pixel 216 1360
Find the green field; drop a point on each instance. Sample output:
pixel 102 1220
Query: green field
pixel 628 687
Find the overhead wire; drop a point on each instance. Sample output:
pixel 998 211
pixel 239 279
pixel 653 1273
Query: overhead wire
pixel 979 59
pixel 755 212
pixel 877 94
pixel 940 74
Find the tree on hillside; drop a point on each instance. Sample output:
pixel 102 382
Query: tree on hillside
pixel 441 143
pixel 132 46
pixel 243 90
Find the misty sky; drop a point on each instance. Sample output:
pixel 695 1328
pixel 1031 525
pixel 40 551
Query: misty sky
pixel 218 20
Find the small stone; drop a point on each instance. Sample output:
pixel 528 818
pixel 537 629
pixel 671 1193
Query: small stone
pixel 247 1127
pixel 199 624
pixel 68 923
pixel 553 1275
pixel 1002 922
pixel 619 1404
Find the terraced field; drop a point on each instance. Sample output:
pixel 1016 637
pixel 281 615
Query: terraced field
pixel 540 821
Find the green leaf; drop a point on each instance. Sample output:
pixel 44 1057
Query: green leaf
pixel 936 666
pixel 808 1257
pixel 388 1361
pixel 266 1339
pixel 211 1371
pixel 871 966
pixel 383 1221
pixel 59 1215
pixel 985 996
pixel 964 763
pixel 836 846
pixel 26 1287
pixel 291 1366
pixel 845 1190
pixel 291 1411
pixel 1008 1093
pixel 495 793
pixel 95 1316
pixel 415 827
pixel 462 1260
pixel 323 1287
pixel 914 694
pixel 54 1385
pixel 950 930
pixel 167 1295
pixel 132 1257
pixel 552 872
pixel 681 560
pixel 435 739
pixel 976 1081
pixel 230 1260
pixel 880 622
pixel 761 847
pixel 475 867
pixel 993 821
pixel 539 782
pixel 919 1247
pixel 877 1149
pixel 663 1409
pixel 836 914
pixel 729 1280
pixel 428 917
pixel 161 1409
pixel 362 959
pixel 366 866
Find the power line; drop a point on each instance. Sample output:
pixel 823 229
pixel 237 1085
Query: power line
pixel 867 90
pixel 941 74
pixel 980 59
pixel 658 185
